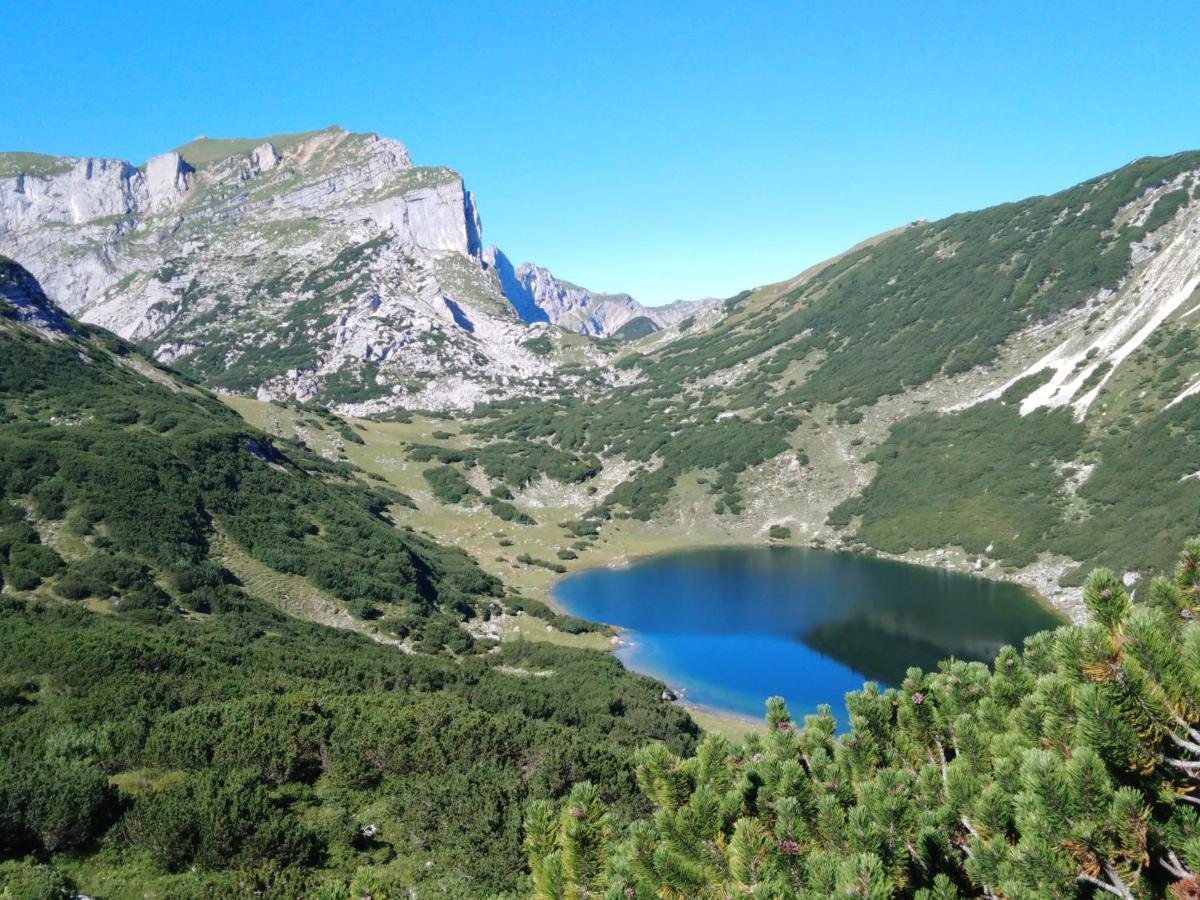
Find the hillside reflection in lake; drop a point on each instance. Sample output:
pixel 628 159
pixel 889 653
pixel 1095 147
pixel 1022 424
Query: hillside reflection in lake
pixel 734 626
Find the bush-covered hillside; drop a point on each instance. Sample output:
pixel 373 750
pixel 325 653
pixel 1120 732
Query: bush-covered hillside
pixel 1069 769
pixel 937 297
pixel 165 732
pixel 996 483
pixel 791 365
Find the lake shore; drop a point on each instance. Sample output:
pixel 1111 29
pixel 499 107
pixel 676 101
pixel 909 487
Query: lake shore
pixel 810 624
pixel 497 545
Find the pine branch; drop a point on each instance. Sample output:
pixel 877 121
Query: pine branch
pixel 1173 866
pixel 1121 891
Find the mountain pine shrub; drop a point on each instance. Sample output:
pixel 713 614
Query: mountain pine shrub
pixel 1070 768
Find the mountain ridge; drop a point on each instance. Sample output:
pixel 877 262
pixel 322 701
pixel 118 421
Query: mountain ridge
pixel 318 265
pixel 789 400
pixel 539 296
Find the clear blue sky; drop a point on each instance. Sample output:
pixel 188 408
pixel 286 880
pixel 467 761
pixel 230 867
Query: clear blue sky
pixel 669 150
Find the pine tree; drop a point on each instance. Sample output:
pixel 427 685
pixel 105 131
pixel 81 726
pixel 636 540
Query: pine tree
pixel 1070 768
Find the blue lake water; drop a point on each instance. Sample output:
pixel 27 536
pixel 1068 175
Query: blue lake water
pixel 734 626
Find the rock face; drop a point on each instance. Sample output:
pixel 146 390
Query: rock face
pixel 538 296
pixel 263 158
pixel 322 265
pixel 22 300
pixel 168 179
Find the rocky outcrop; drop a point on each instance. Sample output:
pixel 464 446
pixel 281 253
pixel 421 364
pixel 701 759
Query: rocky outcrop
pixel 319 266
pixel 515 289
pixel 263 158
pixel 538 296
pixel 168 178
pixel 22 300
pixel 434 218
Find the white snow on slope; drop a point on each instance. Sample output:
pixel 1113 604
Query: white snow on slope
pixel 1192 388
pixel 1166 282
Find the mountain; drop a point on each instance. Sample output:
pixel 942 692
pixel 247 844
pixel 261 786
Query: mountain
pixel 178 717
pixel 538 296
pixel 257 660
pixel 1003 391
pixel 22 300
pixel 972 391
pixel 321 266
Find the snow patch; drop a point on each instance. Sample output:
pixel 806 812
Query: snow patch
pixel 1168 280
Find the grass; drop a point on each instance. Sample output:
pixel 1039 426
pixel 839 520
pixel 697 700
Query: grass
pixel 531 628
pixel 733 727
pixel 291 594
pixel 37 164
pixel 204 151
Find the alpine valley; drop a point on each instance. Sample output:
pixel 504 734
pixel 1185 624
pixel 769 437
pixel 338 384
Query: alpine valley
pixel 290 458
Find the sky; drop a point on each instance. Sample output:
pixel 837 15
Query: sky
pixel 667 150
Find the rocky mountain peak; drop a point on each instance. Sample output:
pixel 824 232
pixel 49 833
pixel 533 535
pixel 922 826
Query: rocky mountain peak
pixel 318 265
pixel 538 296
pixel 23 300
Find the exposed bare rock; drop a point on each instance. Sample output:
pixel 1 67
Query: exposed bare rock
pixel 538 296
pixel 264 158
pixel 22 300
pixel 322 265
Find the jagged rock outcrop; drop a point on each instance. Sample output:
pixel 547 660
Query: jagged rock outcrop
pixel 264 158
pixel 22 300
pixel 538 296
pixel 320 265
pixel 168 179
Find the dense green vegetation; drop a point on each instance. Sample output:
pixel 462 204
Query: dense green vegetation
pixel 165 731
pixel 449 486
pixel 938 297
pixel 635 328
pixel 1067 770
pixel 984 478
pixel 637 426
pixel 989 478
pixel 515 463
pixel 144 475
pixel 292 739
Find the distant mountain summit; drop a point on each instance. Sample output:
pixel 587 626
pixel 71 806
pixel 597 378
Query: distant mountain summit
pixel 322 265
pixel 538 296
pixel 23 301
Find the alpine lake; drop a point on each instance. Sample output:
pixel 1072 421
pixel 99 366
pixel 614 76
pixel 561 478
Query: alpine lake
pixel 730 627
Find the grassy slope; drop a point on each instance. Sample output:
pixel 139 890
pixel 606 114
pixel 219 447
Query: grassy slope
pixel 35 164
pixel 204 151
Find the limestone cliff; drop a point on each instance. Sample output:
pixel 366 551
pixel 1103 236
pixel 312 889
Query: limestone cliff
pixel 319 265
pixel 538 295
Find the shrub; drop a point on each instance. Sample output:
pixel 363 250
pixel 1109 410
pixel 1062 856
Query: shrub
pixel 448 484
pixel 20 579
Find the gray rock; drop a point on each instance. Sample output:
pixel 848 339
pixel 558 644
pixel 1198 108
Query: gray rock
pixel 317 266
pixel 538 296
pixel 22 300
pixel 168 179
pixel 322 266
pixel 263 158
